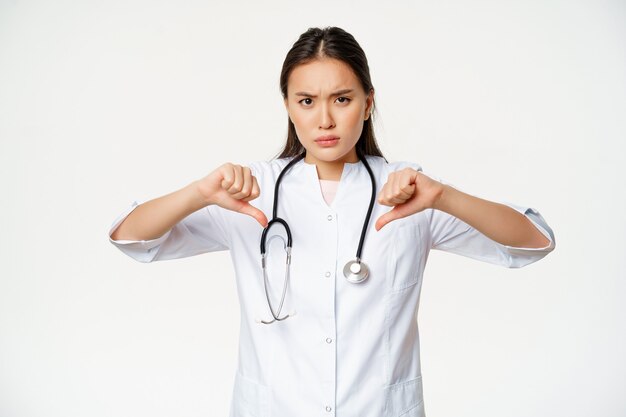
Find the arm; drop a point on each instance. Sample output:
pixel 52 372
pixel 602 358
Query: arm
pixel 189 221
pixel 152 219
pixel 496 221
pixel 229 186
pixel 468 225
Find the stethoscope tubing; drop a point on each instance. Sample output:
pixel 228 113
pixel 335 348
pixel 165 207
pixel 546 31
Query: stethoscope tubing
pixel 354 277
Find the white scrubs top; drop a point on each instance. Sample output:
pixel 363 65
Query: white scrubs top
pixel 351 349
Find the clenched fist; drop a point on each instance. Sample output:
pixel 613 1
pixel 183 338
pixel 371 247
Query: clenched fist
pixel 408 191
pixel 231 186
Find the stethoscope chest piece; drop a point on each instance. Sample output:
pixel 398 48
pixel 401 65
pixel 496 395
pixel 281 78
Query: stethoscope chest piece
pixel 356 271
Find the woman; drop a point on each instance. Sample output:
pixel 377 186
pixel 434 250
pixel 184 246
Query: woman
pixel 335 331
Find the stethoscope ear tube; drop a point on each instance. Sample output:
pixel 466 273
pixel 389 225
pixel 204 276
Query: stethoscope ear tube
pixel 287 248
pixel 265 280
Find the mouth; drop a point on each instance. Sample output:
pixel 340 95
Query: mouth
pixel 327 140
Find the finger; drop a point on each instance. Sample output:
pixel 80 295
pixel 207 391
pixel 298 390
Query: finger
pixel 395 213
pixel 396 200
pixel 393 186
pixel 401 196
pixel 404 188
pixel 385 218
pixel 246 185
pixel 255 192
pixel 238 180
pixel 250 210
pixel 389 198
pixel 228 176
pixel 383 196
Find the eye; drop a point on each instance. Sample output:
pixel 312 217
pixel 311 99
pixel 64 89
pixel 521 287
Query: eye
pixel 346 99
pixel 308 98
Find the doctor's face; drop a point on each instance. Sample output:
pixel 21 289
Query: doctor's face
pixel 326 99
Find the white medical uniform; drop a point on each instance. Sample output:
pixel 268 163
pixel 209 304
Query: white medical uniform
pixel 351 350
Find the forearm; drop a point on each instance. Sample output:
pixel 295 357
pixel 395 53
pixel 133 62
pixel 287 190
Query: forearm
pixel 154 218
pixel 496 221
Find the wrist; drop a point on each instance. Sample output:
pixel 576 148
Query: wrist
pixel 195 198
pixel 441 197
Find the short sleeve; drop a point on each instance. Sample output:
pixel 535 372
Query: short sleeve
pixel 201 232
pixel 450 234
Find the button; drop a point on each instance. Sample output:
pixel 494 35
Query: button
pixel 328 409
pixel 330 217
pixel 329 340
pixel 327 273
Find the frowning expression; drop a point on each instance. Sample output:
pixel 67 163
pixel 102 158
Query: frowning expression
pixel 325 99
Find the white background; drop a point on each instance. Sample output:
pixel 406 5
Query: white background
pixel 102 103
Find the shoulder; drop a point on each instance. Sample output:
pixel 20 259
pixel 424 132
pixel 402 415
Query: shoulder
pixel 399 165
pixel 269 168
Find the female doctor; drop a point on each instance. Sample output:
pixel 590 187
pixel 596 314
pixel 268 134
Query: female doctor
pixel 329 243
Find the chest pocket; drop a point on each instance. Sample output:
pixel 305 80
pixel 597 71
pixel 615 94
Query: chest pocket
pixel 405 256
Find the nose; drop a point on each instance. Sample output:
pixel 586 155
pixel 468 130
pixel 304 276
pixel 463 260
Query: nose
pixel 326 118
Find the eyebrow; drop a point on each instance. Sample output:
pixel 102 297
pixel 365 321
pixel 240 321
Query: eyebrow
pixel 336 93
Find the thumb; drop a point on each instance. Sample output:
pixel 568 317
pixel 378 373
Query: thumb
pixel 391 215
pixel 250 210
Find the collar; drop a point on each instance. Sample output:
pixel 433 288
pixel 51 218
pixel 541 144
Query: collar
pixel 311 169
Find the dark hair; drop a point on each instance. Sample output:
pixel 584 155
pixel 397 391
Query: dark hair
pixel 330 42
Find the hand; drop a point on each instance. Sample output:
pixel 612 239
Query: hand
pixel 408 191
pixel 231 186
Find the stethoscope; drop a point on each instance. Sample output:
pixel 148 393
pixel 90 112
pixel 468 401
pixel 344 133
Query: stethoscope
pixel 355 271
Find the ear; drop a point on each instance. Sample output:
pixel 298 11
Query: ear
pixel 369 102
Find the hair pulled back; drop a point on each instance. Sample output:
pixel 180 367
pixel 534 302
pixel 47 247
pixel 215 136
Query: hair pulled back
pixel 336 43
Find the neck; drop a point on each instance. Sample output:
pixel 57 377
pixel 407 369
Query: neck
pixel 331 170
pixel 332 173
